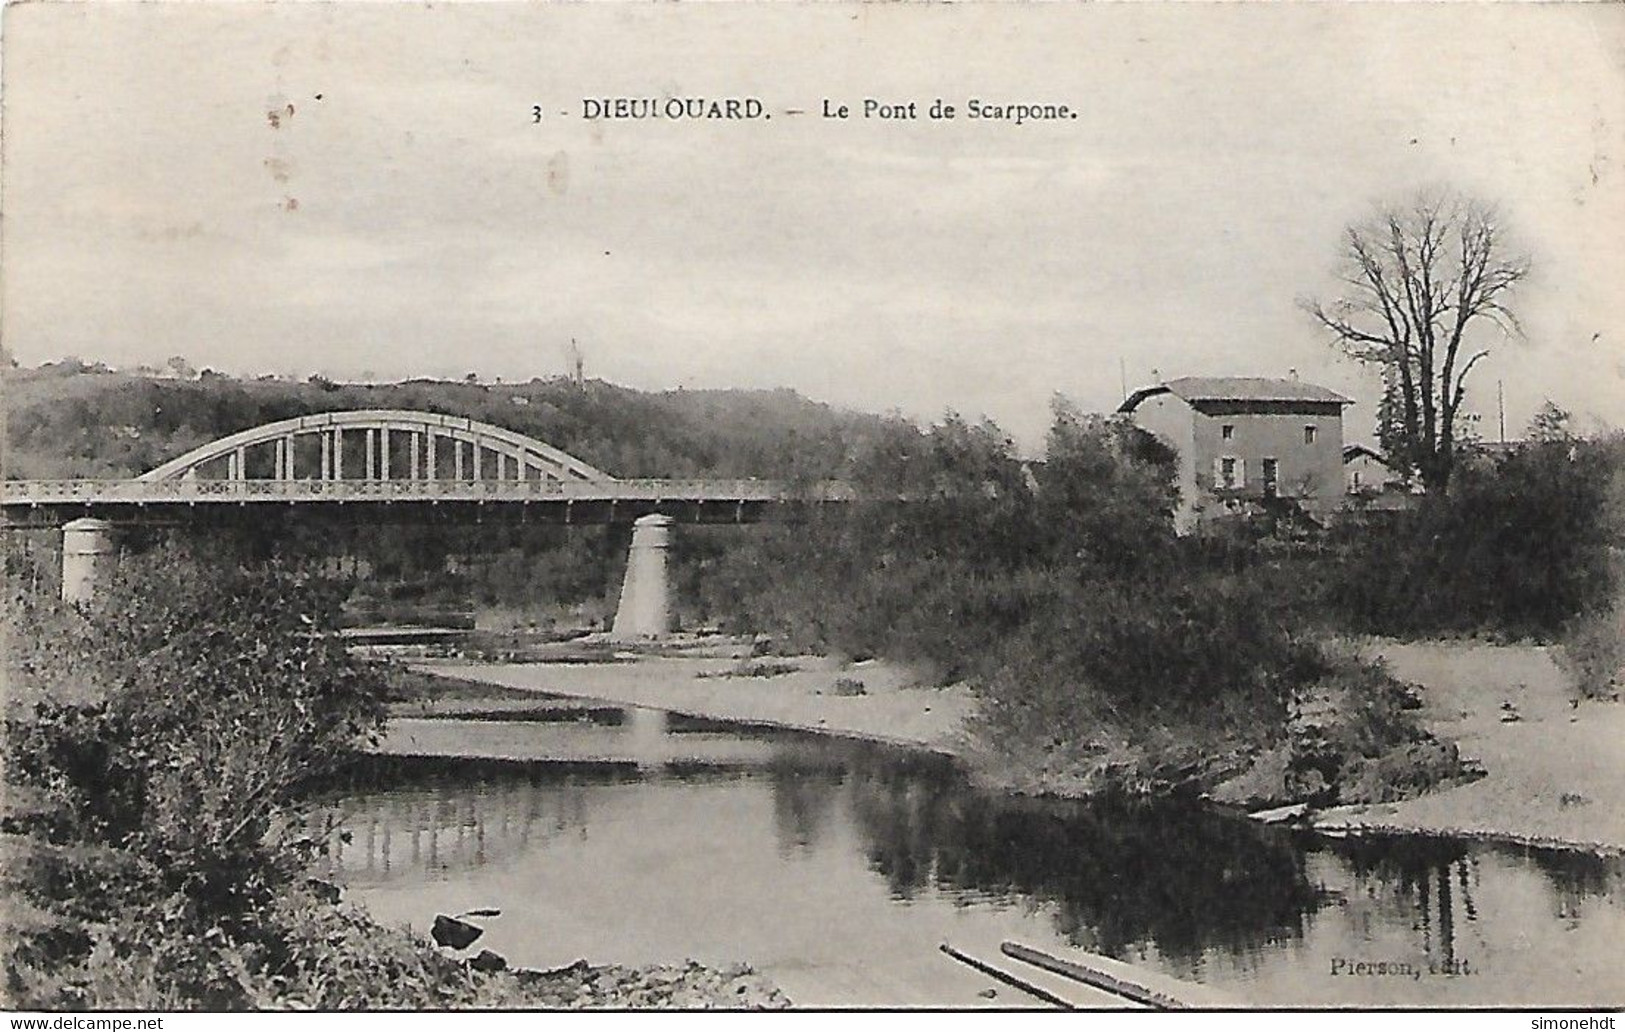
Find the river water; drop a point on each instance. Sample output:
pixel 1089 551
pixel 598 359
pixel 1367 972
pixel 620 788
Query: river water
pixel 837 867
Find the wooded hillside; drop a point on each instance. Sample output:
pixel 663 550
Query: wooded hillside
pixel 68 421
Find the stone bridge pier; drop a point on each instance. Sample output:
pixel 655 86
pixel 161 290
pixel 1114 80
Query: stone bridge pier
pixel 645 609
pixel 89 556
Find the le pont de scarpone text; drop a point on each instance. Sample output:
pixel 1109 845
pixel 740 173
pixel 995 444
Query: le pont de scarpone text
pixel 752 108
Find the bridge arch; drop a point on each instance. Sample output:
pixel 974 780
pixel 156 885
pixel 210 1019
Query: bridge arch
pixel 382 444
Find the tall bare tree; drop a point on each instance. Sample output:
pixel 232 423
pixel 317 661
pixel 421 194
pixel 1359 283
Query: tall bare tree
pixel 1425 282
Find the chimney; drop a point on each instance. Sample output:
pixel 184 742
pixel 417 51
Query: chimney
pixel 1293 373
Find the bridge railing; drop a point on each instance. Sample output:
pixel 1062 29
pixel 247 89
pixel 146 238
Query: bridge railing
pixel 56 492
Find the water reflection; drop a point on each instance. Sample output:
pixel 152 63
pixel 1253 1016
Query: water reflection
pixel 908 850
pixel 802 808
pixel 433 821
pixel 1578 877
pixel 1122 874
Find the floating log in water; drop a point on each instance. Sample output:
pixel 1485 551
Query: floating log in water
pixel 1007 978
pixel 1091 977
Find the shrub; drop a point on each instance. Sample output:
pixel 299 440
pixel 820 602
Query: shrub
pixel 1354 736
pixel 1592 653
pixel 1518 548
pixel 160 743
pixel 1105 492
pixel 1182 668
pixel 304 953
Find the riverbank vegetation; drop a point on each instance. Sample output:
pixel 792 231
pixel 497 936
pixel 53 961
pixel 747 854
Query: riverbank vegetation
pixel 1106 648
pixel 159 852
pixel 1109 653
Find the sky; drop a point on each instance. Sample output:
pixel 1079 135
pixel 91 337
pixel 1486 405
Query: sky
pixel 403 215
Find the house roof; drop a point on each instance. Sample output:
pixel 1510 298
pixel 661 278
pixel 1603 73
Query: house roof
pixel 1354 451
pixel 1236 388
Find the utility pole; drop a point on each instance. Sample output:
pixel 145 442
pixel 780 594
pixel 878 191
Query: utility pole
pixel 1501 407
pixel 1122 374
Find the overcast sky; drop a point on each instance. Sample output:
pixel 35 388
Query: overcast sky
pixel 409 219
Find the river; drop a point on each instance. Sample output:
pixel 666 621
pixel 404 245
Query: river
pixel 837 867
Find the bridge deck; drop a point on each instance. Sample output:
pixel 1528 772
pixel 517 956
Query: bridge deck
pixel 38 503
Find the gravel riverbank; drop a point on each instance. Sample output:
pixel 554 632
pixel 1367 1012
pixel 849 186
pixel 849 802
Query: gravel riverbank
pixel 689 986
pixel 816 695
pixel 1552 768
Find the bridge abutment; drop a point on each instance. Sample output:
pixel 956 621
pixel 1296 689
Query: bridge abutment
pixel 645 609
pixel 89 556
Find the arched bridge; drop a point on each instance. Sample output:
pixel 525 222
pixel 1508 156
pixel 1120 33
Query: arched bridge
pixel 377 438
pixel 382 464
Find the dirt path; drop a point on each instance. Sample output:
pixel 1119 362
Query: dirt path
pixel 890 710
pixel 1554 776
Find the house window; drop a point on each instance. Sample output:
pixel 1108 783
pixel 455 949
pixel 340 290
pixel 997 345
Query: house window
pixel 1228 431
pixel 1229 472
pixel 1309 434
pixel 1272 476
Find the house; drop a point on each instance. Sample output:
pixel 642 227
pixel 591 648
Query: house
pixel 1366 472
pixel 1243 439
pixel 1374 485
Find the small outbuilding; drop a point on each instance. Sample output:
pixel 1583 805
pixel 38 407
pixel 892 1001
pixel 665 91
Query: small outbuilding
pixel 1367 473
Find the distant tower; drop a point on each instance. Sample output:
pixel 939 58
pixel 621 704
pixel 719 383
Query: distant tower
pixel 577 364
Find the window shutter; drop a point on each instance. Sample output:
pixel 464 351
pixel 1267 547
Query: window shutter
pixel 1218 473
pixel 1241 473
